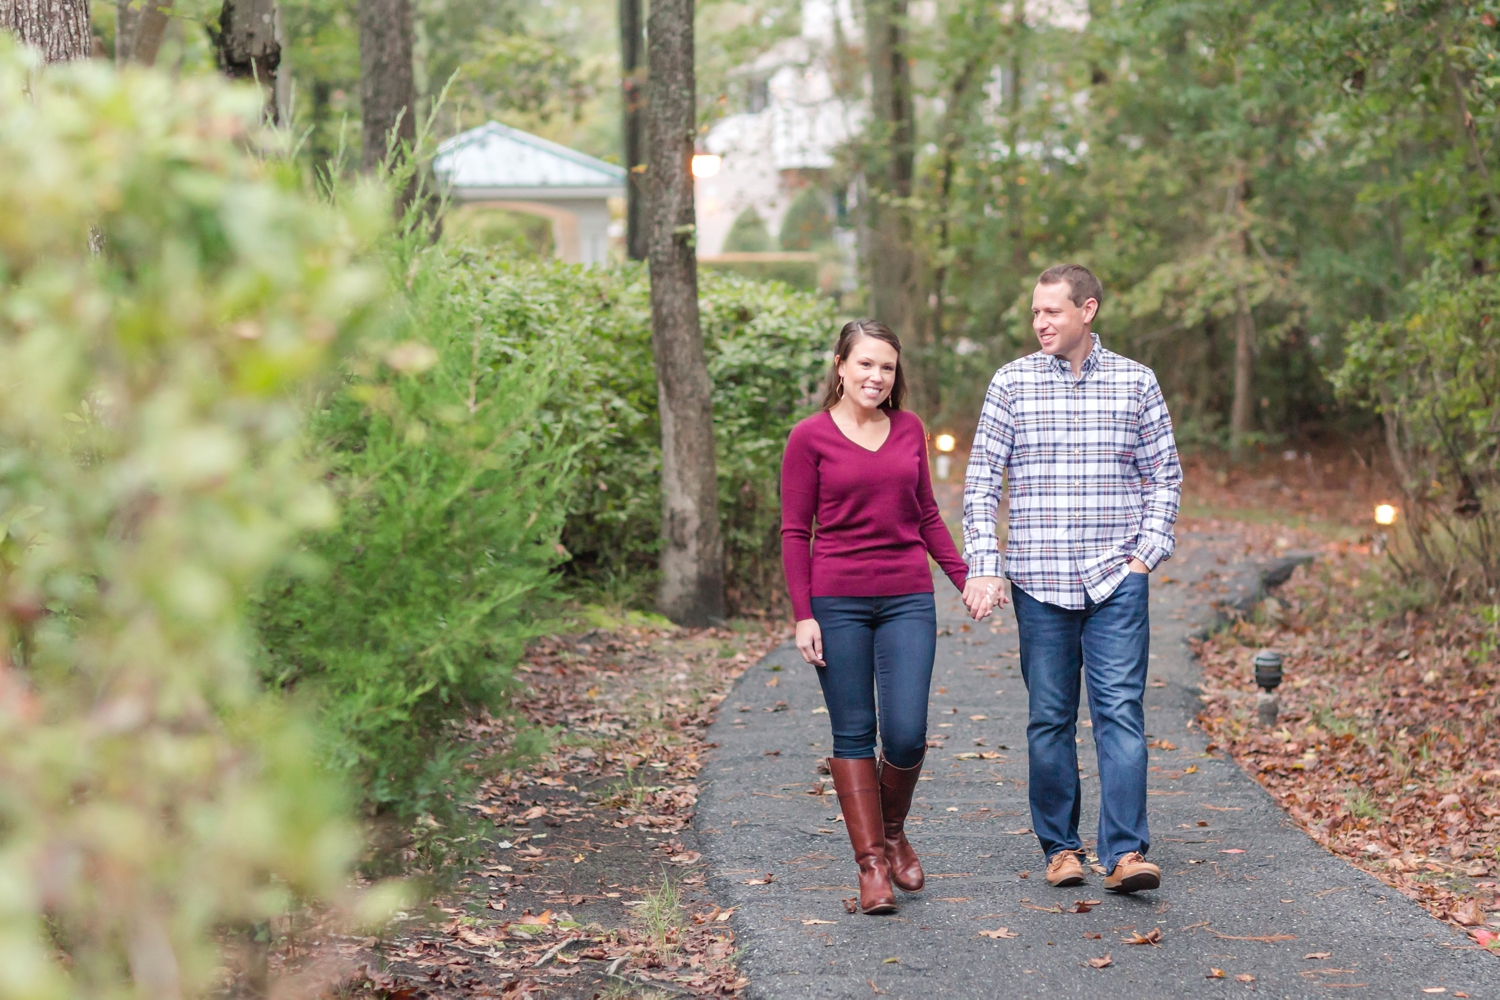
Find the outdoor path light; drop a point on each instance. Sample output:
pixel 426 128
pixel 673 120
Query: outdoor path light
pixel 945 443
pixel 1268 679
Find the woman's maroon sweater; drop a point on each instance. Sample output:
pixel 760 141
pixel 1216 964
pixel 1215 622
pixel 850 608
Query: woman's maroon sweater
pixel 876 518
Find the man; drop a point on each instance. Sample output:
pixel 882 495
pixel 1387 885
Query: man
pixel 1083 438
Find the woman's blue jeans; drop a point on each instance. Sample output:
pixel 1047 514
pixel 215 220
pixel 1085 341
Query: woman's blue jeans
pixel 1110 642
pixel 884 646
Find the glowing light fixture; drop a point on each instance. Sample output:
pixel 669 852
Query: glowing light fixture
pixel 945 444
pixel 705 164
pixel 1385 514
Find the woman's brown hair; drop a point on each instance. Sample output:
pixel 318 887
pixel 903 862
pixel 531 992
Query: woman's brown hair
pixel 850 335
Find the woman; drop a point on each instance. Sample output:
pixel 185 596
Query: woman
pixel 862 592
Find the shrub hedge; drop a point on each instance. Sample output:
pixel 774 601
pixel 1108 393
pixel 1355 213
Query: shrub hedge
pixel 503 427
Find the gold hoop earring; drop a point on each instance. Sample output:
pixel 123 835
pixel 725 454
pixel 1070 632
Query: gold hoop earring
pixel 841 389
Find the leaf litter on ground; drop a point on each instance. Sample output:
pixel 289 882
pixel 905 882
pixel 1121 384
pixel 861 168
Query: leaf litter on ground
pixel 587 881
pixel 1386 750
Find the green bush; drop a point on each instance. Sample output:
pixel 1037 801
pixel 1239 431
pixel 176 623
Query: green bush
pixel 767 349
pixel 1433 375
pixel 505 424
pixel 165 299
pixel 801 275
pixel 748 233
pixel 451 480
pixel 807 223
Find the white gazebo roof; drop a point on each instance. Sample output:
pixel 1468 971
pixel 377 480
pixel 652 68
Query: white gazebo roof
pixel 496 162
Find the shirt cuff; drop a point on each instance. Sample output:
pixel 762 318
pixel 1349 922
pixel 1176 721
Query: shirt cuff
pixel 1151 555
pixel 985 564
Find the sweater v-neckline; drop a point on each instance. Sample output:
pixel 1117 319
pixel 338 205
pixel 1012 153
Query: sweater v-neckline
pixel 890 428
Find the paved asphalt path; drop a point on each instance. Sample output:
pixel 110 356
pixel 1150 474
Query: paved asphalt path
pixel 1234 869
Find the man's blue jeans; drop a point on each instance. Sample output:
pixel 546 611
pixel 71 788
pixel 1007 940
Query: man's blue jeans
pixel 884 645
pixel 1110 642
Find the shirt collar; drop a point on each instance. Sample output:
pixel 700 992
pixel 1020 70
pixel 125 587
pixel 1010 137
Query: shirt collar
pixel 1090 363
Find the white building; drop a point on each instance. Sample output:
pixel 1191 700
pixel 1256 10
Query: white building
pixel 796 123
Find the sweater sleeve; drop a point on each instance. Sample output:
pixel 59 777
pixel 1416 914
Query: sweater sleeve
pixel 934 532
pixel 799 505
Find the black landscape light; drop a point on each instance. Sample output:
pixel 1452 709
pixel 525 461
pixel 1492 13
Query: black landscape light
pixel 1268 679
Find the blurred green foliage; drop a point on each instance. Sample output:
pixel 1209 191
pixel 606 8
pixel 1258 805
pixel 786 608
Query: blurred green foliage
pixel 807 223
pixel 1433 376
pixel 748 233
pixel 170 298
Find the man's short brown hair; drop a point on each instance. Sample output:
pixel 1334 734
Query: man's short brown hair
pixel 1082 285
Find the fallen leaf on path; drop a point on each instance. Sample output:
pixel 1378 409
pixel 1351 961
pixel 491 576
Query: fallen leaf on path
pixel 1233 850
pixel 1084 905
pixel 1092 936
pixel 1151 937
pixel 979 718
pixel 809 923
pixel 1487 939
pixel 767 879
pixel 1468 913
pixel 851 906
pixel 725 915
pixel 1163 745
pixel 1264 938
pixel 1434 989
pixel 999 932
pixel 1191 769
pixel 1214 974
pixel 1318 955
pixel 1244 977
pixel 1101 962
pixel 893 960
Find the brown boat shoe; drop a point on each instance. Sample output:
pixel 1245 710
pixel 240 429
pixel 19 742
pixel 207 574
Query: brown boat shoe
pixel 1064 869
pixel 1132 873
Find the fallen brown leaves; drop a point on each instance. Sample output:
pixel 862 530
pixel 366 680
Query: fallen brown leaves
pixel 1387 748
pixel 587 880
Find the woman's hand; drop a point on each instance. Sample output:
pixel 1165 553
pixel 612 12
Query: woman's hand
pixel 810 641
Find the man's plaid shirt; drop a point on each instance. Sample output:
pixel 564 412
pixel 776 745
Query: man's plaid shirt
pixel 1092 470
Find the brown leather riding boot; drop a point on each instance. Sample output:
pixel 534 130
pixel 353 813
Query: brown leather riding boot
pixel 896 787
pixel 858 788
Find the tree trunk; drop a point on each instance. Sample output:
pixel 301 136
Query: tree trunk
pixel 387 87
pixel 691 591
pixel 139 31
pixel 1017 204
pixel 249 46
pixel 893 274
pixel 1242 408
pixel 59 28
pixel 637 237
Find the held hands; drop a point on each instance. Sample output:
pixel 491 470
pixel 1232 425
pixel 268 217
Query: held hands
pixel 810 641
pixel 983 594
